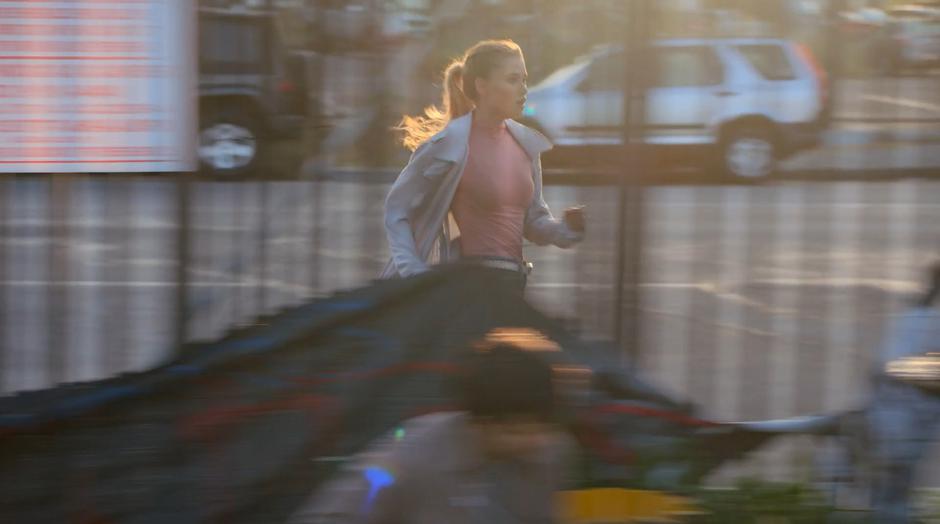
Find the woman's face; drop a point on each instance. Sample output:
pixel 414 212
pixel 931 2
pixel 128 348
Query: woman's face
pixel 503 92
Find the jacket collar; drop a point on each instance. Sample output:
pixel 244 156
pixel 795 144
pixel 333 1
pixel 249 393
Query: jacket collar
pixel 452 140
pixel 532 141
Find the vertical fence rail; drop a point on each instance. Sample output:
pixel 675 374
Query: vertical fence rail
pixel 6 362
pixel 730 317
pixel 57 281
pixel 183 188
pixel 626 323
pixel 764 300
pixel 261 298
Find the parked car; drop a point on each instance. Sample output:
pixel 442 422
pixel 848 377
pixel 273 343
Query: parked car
pixel 367 25
pixel 914 11
pixel 252 90
pixel 909 42
pixel 753 100
pixel 406 19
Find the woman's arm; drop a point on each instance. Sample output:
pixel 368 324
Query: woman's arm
pixel 541 227
pixel 407 193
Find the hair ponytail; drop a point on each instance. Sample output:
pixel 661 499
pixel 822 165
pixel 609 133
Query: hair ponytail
pixel 459 91
pixel 458 104
pixel 418 129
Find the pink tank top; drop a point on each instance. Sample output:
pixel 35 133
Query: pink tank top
pixel 493 195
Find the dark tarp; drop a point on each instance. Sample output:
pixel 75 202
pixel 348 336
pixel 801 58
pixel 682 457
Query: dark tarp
pixel 241 430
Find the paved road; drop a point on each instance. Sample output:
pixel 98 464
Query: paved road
pixel 888 98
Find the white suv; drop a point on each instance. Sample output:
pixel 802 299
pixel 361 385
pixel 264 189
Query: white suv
pixel 754 99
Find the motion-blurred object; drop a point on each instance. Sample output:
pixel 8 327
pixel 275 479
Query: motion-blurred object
pixel 243 429
pixel 252 91
pixel 895 430
pixel 921 371
pixel 751 101
pixel 597 505
pixel 910 44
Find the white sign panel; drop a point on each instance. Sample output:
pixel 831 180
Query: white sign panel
pixel 97 86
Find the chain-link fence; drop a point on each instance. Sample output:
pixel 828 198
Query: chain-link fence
pixel 755 298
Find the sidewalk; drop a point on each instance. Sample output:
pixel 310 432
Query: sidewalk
pixel 857 133
pixel 875 149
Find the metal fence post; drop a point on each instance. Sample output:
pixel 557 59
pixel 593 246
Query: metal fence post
pixel 261 292
pixel 183 225
pixel 5 203
pixel 56 281
pixel 631 184
pixel 315 196
pixel 832 61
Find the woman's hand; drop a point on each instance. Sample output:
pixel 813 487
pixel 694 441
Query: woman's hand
pixel 574 218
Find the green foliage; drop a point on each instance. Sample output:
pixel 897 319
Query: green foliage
pixel 929 502
pixel 761 502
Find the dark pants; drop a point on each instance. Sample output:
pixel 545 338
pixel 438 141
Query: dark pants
pixel 515 280
pixel 502 277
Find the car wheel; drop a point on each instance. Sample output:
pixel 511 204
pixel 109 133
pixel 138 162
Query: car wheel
pixel 228 143
pixel 749 153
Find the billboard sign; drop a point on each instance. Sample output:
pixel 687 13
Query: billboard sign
pixel 97 86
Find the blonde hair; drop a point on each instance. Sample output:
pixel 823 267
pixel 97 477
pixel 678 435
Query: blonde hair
pixel 459 90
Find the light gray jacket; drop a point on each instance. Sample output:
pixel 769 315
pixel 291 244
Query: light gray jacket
pixel 418 224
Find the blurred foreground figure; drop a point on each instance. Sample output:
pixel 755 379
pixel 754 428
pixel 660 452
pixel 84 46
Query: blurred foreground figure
pixel 243 429
pixel 498 460
pixel 903 417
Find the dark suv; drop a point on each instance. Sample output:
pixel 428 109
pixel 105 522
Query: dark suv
pixel 251 90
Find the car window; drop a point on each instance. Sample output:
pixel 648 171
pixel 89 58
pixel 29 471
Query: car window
pixel 686 67
pixel 673 66
pixel 914 27
pixel 233 45
pixel 769 60
pixel 561 75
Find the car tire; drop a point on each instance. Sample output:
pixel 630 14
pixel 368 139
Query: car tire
pixel 228 143
pixel 748 152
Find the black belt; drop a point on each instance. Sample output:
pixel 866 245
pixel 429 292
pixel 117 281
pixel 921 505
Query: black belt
pixel 508 264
